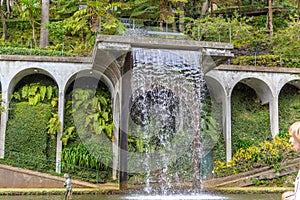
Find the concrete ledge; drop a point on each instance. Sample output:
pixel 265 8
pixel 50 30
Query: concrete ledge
pixel 14 177
pixel 46 58
pixel 148 42
pixel 258 69
pixel 58 191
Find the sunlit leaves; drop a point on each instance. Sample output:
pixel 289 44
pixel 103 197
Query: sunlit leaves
pixel 30 10
pixel 35 93
pixel 96 110
pixel 69 133
pixel 80 156
pixel 43 90
pixel 53 125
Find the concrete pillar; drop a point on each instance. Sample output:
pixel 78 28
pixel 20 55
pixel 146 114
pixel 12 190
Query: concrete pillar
pixel 4 118
pixel 125 102
pixel 61 107
pixel 227 114
pixel 115 141
pixel 115 148
pixel 274 118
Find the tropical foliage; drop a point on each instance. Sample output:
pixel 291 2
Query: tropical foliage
pixel 74 26
pixel 88 118
pixel 35 93
pixel 93 107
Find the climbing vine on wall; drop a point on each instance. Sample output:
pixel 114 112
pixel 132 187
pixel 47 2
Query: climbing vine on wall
pixel 91 111
pixel 88 118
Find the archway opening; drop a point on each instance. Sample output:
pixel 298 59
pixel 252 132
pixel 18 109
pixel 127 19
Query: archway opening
pixel 88 129
pixel 28 141
pixel 250 119
pixel 288 106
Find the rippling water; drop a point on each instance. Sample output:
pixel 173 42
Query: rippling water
pixel 149 197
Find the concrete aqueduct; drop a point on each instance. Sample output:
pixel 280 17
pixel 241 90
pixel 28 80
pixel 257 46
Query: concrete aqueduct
pixel 112 59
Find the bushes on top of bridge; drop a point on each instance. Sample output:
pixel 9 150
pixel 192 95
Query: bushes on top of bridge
pixel 30 51
pixel 289 61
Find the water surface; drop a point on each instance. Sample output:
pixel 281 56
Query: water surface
pixel 148 197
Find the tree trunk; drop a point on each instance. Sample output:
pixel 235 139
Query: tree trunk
pixel 270 18
pixel 4 27
pixel 161 23
pixel 8 6
pixel 44 35
pixel 33 33
pixel 181 17
pixel 298 2
pixel 205 7
pixel 174 26
pixel 211 7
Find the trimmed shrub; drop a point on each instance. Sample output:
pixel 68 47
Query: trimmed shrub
pixel 27 133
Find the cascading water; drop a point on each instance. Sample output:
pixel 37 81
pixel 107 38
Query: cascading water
pixel 169 124
pixel 168 88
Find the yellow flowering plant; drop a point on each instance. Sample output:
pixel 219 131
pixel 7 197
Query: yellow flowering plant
pixel 267 153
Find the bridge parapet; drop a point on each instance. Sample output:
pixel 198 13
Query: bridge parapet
pixel 224 67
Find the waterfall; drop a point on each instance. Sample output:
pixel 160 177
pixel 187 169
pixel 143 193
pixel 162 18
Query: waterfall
pixel 168 88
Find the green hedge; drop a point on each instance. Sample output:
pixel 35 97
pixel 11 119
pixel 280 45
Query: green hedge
pixel 289 61
pixel 28 51
pixel 27 133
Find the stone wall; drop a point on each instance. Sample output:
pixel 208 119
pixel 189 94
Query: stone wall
pixel 13 177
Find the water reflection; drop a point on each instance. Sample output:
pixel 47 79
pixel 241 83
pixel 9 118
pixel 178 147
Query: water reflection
pixel 142 197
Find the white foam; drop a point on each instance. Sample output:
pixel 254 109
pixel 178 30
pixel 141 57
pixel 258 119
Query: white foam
pixel 176 197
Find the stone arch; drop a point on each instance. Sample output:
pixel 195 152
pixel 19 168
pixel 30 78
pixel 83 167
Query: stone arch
pixel 13 82
pixel 216 88
pixel 90 78
pixel 92 74
pixel 295 81
pixel 28 70
pixel 267 93
pixel 15 78
pixel 57 70
pixel 260 86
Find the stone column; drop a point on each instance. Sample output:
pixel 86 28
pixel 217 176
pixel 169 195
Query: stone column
pixel 125 102
pixel 4 118
pixel 274 118
pixel 61 107
pixel 115 141
pixel 227 114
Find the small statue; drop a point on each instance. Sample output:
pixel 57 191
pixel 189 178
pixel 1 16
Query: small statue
pixel 68 185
